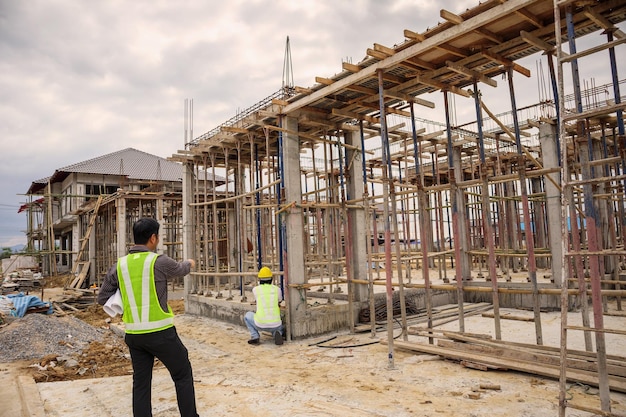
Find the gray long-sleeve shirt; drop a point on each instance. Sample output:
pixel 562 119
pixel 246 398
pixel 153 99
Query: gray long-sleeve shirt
pixel 165 268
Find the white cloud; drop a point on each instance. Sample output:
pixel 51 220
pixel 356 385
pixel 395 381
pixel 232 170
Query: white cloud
pixel 83 78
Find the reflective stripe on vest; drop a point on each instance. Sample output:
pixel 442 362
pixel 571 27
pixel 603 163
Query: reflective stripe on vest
pixel 136 277
pixel 267 310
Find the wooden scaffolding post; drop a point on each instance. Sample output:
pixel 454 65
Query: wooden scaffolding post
pixel 81 266
pixel 588 185
pixel 51 246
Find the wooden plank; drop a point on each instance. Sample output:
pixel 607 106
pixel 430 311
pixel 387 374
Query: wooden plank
pixel 409 34
pixel 531 18
pixel 233 129
pixel 530 356
pixel 452 315
pixel 83 274
pixel 470 73
pixel 615 383
pixel 538 42
pixel 384 49
pixel 595 112
pixel 323 80
pixel 444 334
pixel 473 365
pixel 58 309
pixel 506 62
pixel 466 337
pixel 593 329
pixel 509 317
pixel 78 279
pixel 591 410
pixel 593 50
pixel 603 22
pixel 69 306
pixel 375 54
pixel 350 67
pixel 451 17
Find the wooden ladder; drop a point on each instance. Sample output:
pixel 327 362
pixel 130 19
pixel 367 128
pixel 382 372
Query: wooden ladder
pixel 80 268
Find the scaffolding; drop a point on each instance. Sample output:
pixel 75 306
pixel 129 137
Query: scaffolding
pixel 103 227
pixel 369 212
pixel 593 177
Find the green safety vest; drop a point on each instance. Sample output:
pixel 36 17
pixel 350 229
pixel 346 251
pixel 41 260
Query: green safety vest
pixel 267 310
pixel 142 311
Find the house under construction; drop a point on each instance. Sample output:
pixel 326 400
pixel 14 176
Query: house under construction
pixel 362 207
pixel 80 218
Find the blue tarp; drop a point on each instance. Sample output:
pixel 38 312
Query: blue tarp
pixel 23 302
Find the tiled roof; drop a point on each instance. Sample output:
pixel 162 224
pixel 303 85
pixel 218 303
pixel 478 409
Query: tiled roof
pixel 132 163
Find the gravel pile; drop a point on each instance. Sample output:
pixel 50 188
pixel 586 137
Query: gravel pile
pixel 37 335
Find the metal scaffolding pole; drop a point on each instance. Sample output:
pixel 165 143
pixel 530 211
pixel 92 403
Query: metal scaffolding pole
pixel 486 217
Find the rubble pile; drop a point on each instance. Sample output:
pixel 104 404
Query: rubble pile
pixel 37 335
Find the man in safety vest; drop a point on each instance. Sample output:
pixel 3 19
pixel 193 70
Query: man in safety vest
pixel 267 316
pixel 141 277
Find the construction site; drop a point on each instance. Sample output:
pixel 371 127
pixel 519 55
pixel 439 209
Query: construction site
pixel 407 194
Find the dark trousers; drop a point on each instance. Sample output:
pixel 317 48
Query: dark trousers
pixel 169 349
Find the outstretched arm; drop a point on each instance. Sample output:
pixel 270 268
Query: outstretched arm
pixel 172 269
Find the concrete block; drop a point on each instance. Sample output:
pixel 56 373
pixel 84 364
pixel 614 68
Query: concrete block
pixel 32 406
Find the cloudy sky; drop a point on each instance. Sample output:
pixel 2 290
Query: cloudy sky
pixel 79 79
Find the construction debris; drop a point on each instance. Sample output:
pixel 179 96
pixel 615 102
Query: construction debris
pixel 18 305
pixel 545 361
pixel 22 280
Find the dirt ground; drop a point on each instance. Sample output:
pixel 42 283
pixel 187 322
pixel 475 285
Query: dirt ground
pixel 303 378
pixel 346 376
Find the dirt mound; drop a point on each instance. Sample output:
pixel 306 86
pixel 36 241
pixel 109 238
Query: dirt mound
pixel 94 315
pixel 57 281
pixel 100 359
pixel 73 346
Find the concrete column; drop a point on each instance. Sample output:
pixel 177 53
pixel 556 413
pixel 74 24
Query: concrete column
pixel 188 225
pixel 233 247
pixel 549 152
pixel 120 208
pixel 354 186
pixel 511 209
pixel 462 238
pixel 294 266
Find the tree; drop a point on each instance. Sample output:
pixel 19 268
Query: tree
pixel 6 253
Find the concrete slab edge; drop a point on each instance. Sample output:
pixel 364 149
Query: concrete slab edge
pixel 32 405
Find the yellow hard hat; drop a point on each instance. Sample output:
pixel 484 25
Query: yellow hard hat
pixel 265 272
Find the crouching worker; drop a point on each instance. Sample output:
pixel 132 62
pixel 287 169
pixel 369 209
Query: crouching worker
pixel 267 316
